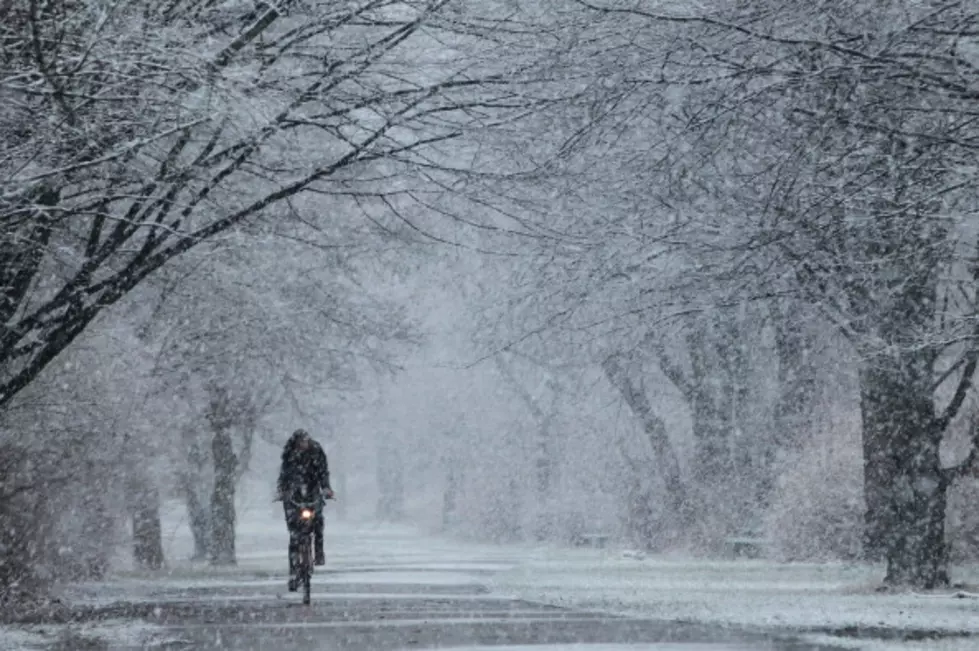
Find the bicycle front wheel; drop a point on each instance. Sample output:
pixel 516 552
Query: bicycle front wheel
pixel 306 565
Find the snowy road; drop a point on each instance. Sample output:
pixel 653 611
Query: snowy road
pixel 380 611
pixel 383 589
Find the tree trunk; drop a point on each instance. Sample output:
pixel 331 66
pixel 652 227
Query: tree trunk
pixel 794 404
pixel 339 477
pixel 390 481
pixel 716 392
pixel 20 537
pixel 244 458
pixel 200 521
pixel 513 510
pixel 796 379
pixel 678 498
pixel 397 494
pixel 147 529
pixel 542 455
pixel 712 447
pixel 640 522
pixel 450 497
pixel 222 548
pixel 711 397
pixel 918 555
pixel 905 487
pixel 708 393
pixel 878 412
pixel 193 486
pixel 733 462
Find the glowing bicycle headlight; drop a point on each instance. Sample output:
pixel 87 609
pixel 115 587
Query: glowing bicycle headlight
pixel 306 514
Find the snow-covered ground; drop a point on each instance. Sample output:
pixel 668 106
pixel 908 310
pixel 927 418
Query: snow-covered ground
pixel 16 639
pixel 126 633
pixel 358 554
pixel 605 647
pixel 754 594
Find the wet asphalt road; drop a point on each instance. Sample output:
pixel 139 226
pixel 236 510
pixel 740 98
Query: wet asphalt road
pixel 384 588
pixel 362 615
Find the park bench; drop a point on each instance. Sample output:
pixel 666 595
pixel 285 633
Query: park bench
pixel 593 540
pixel 746 546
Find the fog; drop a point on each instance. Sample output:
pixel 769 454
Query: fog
pixel 694 281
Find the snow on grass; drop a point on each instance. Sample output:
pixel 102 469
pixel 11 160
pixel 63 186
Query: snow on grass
pixel 406 576
pixel 753 594
pixel 21 639
pixel 947 644
pixel 116 633
pixel 125 633
pixel 660 646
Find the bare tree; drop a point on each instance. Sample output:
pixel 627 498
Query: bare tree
pixel 132 134
pixel 543 415
pixel 850 157
pixel 222 413
pixel 295 114
pixel 680 498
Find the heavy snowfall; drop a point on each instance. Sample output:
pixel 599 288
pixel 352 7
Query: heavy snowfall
pixel 624 324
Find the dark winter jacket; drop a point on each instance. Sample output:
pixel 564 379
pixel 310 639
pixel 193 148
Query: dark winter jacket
pixel 303 466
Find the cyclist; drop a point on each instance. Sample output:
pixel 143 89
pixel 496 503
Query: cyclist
pixel 303 462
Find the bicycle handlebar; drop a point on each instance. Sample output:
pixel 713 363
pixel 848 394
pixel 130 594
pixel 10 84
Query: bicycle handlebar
pixel 281 498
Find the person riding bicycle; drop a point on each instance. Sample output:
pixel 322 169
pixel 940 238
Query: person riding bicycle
pixel 303 463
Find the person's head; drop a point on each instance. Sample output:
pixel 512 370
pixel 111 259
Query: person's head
pixel 301 439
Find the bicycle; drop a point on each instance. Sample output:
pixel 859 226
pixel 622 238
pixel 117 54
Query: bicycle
pixel 306 510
